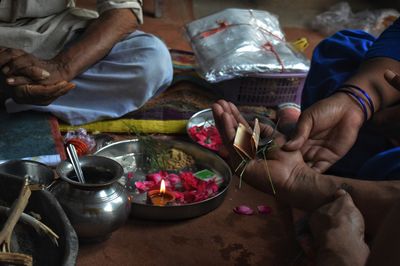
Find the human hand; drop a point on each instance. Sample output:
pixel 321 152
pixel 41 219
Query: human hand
pixel 38 94
pixel 21 68
pixel 338 229
pixel 291 177
pixel 327 130
pixel 386 121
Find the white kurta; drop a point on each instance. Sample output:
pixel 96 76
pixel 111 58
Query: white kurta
pixel 136 69
pixel 43 27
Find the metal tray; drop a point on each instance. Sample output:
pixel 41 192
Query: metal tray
pixel 131 154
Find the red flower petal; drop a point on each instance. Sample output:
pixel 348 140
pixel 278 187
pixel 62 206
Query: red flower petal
pixel 264 209
pixel 130 175
pixel 244 210
pixel 206 136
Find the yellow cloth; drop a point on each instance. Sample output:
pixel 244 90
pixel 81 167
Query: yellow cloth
pixel 123 126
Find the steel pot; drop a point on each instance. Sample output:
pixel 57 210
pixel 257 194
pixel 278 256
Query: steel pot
pixel 99 206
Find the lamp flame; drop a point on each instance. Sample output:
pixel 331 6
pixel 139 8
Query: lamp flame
pixel 162 187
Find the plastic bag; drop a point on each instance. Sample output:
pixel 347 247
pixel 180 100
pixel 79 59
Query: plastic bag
pixel 340 17
pixel 242 42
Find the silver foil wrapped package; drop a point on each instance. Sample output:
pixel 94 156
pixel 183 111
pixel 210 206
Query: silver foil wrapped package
pixel 242 42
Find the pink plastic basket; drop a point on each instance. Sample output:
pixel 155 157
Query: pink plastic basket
pixel 268 90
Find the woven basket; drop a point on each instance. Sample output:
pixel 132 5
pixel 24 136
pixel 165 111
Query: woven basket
pixel 268 90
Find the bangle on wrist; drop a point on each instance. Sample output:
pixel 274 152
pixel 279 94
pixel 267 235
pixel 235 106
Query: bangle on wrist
pixel 359 99
pixel 364 94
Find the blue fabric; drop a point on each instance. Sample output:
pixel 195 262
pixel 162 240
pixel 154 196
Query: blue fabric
pixel 136 69
pixel 388 43
pixel 334 60
pixel 385 165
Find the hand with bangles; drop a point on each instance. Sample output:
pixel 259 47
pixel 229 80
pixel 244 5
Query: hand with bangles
pixel 30 80
pixel 338 226
pixel 327 130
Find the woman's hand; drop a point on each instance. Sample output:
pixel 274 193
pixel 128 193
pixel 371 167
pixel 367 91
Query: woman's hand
pixel 387 121
pixel 327 130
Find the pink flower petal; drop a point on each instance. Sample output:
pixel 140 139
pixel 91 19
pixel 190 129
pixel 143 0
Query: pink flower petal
pixel 155 177
pixel 144 185
pixel 264 209
pixel 243 209
pixel 174 179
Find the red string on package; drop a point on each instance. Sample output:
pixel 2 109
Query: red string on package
pixel 269 47
pixel 223 25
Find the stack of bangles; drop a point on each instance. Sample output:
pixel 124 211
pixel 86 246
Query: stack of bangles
pixel 359 95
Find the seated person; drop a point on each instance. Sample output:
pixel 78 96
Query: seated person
pixel 338 226
pixel 354 132
pixel 363 111
pixel 297 184
pixel 80 65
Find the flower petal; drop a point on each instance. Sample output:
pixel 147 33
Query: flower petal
pixel 244 210
pixel 264 209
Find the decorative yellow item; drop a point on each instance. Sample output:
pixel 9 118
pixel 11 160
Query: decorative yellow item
pixel 143 126
pixel 301 44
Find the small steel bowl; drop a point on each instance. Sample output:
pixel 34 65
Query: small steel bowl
pixel 203 118
pixel 36 172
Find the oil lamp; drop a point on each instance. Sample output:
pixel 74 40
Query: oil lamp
pixel 160 197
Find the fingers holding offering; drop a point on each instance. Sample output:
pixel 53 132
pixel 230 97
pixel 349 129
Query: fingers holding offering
pixel 237 115
pixel 223 121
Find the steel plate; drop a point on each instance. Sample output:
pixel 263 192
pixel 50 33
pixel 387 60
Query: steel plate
pixel 132 156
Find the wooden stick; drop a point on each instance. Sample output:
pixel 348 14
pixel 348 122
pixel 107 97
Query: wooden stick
pixel 35 223
pixel 16 211
pixel 15 259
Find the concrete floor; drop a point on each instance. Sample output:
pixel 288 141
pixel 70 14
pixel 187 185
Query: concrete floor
pixel 291 13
